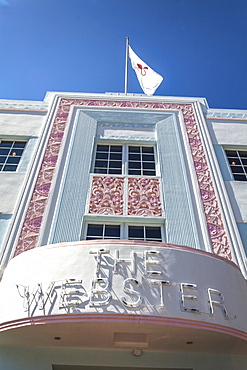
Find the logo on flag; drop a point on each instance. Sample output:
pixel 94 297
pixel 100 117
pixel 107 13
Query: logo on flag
pixel 147 77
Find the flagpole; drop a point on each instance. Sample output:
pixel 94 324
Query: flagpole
pixel 126 66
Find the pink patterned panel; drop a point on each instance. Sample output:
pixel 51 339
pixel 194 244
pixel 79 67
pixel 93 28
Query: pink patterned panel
pixel 33 219
pixel 107 195
pixel 144 197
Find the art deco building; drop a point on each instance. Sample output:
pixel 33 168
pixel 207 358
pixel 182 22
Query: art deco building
pixel 123 234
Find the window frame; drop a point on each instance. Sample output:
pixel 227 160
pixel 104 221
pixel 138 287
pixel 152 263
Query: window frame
pixel 125 160
pixel 239 158
pixel 8 155
pixel 124 226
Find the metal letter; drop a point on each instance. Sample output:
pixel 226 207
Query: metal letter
pixel 219 303
pixel 148 262
pixel 188 297
pixel 132 292
pixel 100 294
pixel 160 283
pixel 98 253
pixel 130 260
pixel 71 297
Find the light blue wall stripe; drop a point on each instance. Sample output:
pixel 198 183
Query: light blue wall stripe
pixel 180 222
pixel 75 181
pixel 243 233
pixel 27 154
pixel 221 157
pixel 4 223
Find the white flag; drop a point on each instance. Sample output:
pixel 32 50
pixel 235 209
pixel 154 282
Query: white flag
pixel 147 77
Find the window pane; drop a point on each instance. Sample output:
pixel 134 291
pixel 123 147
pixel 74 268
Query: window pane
pixel 19 145
pixel 147 149
pixel 93 237
pixel 95 230
pixel 153 233
pixel 149 165
pixel 134 149
pixel 100 170
pixel 115 171
pixel 231 153
pixel 101 155
pixel 100 163
pixel 6 144
pixel 9 168
pixel 115 164
pixel 237 169
pixel 148 173
pixel 135 165
pixel 243 154
pixel 112 231
pixel 136 232
pixel 116 156
pixel 233 161
pixel 147 157
pixel 13 160
pixel 15 152
pixel 135 172
pixel 4 151
pixel 117 149
pixel 134 157
pixel 240 177
pixel 102 148
pixel 2 159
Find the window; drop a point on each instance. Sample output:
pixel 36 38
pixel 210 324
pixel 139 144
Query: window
pixel 105 231
pixel 238 164
pixel 10 154
pixel 124 159
pixel 95 231
pixel 148 233
pixel 141 161
pixel 108 159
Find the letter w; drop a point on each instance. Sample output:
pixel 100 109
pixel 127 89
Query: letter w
pixel 37 295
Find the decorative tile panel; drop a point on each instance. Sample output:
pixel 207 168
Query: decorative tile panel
pixel 144 197
pixel 106 195
pixel 33 219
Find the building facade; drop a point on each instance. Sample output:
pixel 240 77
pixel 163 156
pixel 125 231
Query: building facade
pixel 123 233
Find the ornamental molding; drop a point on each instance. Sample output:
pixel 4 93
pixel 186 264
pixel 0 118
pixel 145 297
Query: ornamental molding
pixel 22 106
pixel 129 138
pixel 127 125
pixel 35 212
pixel 226 115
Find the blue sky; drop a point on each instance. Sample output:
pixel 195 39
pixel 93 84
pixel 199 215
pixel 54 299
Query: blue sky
pixel 198 46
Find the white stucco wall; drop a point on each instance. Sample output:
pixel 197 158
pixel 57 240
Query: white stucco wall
pixel 232 134
pixel 18 121
pixel 237 191
pixel 10 186
pixel 228 132
pixel 20 124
